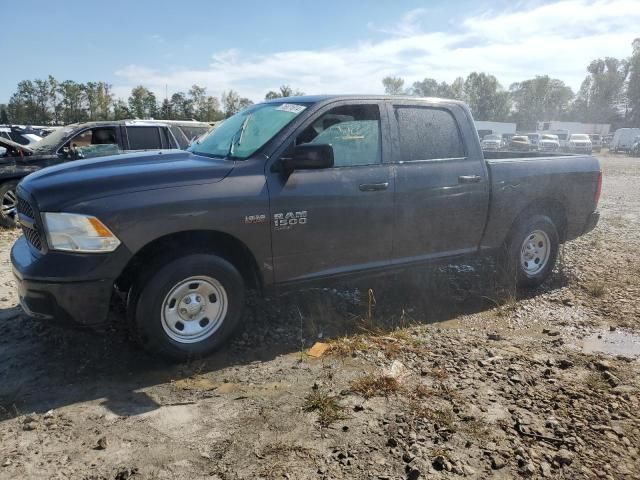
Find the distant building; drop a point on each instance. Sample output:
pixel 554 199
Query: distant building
pixel 575 127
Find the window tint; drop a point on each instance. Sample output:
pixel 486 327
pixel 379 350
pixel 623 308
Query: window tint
pixel 144 138
pixel 353 131
pixel 183 141
pixel 428 133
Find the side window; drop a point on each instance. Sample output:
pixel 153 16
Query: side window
pixel 167 141
pixel 352 130
pixel 95 142
pixel 144 138
pixel 183 141
pixel 428 133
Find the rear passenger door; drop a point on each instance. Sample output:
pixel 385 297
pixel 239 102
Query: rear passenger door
pixel 147 138
pixel 442 191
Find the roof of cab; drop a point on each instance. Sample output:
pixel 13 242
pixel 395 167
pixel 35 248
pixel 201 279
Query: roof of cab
pixel 328 98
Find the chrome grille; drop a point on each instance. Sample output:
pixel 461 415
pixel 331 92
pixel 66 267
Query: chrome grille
pixel 29 227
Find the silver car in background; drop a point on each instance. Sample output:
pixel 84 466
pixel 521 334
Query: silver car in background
pixel 580 143
pixel 549 143
pixel 492 142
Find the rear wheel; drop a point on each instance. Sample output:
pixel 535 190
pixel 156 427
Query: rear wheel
pixel 531 251
pixel 8 204
pixel 187 308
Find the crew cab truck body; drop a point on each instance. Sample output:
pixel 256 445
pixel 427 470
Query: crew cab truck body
pixel 287 192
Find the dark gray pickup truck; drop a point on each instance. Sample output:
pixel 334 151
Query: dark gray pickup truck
pixel 288 191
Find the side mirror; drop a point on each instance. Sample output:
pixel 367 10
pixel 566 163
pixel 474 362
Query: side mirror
pixel 307 157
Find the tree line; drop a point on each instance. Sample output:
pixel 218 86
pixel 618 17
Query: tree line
pixel 51 102
pixel 610 93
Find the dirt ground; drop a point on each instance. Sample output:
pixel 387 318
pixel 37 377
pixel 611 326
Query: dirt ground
pixel 432 374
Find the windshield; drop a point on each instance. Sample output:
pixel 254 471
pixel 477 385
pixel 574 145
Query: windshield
pixel 241 135
pixel 51 141
pixel 550 137
pixel 579 137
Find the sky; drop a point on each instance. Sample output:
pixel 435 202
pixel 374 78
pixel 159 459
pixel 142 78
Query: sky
pixel 320 46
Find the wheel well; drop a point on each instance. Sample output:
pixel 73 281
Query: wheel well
pixel 200 241
pixel 552 208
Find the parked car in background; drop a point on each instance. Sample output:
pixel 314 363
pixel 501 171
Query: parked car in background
pixel 548 143
pixel 186 131
pixel 623 139
pixel 20 134
pixel 492 142
pixel 534 138
pixel 81 141
pixel 596 142
pixel 184 235
pixel 580 143
pixel 563 138
pixel 520 143
pixel 634 151
pixel 606 140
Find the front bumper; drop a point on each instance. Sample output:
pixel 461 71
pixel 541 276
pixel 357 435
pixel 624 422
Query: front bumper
pixel 64 287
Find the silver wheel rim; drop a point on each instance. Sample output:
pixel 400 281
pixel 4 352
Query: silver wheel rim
pixel 535 252
pixel 9 204
pixel 194 309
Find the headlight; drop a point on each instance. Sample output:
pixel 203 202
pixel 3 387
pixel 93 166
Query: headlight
pixel 78 233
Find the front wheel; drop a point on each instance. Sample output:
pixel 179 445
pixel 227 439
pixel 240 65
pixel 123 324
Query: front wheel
pixel 187 308
pixel 531 251
pixel 8 204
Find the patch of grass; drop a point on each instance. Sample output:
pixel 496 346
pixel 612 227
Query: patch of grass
pixel 348 346
pixel 594 381
pixel 375 385
pixel 443 418
pixel 327 406
pixel 596 288
pixel 282 449
pixel 477 428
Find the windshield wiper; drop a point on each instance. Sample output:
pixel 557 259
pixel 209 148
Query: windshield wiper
pixel 238 134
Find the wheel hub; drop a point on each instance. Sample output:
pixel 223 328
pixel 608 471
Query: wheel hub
pixel 535 252
pixel 194 309
pixel 9 204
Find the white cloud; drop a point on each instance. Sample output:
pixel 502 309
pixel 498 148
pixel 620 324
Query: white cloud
pixel 557 39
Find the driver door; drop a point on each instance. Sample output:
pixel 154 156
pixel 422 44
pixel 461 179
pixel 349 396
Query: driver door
pixel 336 220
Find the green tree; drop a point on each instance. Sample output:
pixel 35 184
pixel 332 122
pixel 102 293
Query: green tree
pixel 233 103
pixel 633 85
pixel 284 91
pixel 121 110
pixel 142 103
pixel 393 85
pixel 539 98
pixel 486 97
pixel 72 101
pixel 601 91
pixel 4 115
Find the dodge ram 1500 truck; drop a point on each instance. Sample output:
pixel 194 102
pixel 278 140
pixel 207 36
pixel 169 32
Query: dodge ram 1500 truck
pixel 287 191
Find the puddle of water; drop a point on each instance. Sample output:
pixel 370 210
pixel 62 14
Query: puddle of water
pixel 617 342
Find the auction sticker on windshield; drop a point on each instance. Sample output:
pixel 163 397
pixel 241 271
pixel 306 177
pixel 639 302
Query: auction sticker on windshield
pixel 291 107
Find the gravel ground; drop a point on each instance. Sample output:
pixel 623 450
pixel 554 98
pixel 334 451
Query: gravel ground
pixel 428 375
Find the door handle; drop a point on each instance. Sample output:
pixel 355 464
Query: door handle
pixel 373 187
pixel 469 179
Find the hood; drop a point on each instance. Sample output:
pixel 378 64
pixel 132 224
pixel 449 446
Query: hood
pixel 70 183
pixel 9 144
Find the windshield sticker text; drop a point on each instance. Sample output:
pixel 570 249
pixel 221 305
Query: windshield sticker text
pixel 291 108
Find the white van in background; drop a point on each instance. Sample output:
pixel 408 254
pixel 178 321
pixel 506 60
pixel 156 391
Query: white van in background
pixel 623 139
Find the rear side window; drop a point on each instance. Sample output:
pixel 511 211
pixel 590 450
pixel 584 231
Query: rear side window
pixel 144 138
pixel 428 133
pixel 183 141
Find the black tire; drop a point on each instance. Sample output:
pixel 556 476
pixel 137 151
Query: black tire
pixel 510 258
pixel 7 220
pixel 147 297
